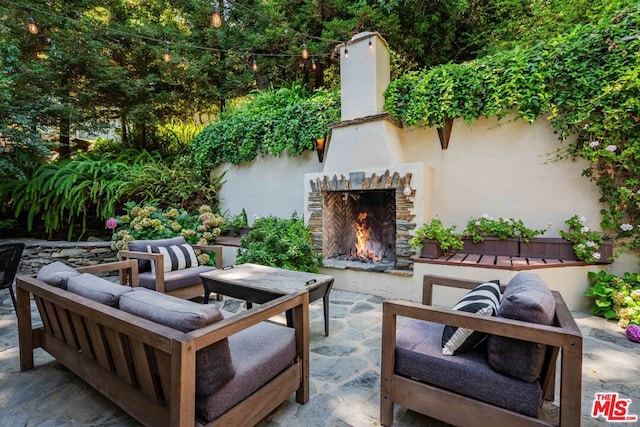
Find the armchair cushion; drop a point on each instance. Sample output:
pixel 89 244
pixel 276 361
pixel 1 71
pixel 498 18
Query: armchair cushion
pixel 525 298
pixel 141 246
pixel 97 289
pixel 176 257
pixel 419 356
pixel 484 299
pixel 175 279
pixel 56 274
pixel 214 367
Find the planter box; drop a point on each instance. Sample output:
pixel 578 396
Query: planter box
pixel 548 248
pixel 559 248
pixel 492 246
pixel 431 249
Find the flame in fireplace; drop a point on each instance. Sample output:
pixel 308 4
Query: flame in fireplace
pixel 364 249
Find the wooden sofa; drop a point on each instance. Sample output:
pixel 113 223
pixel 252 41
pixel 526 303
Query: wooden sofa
pixel 146 368
pixel 562 337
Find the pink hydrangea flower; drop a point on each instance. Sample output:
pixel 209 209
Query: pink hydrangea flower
pixel 112 223
pixel 633 333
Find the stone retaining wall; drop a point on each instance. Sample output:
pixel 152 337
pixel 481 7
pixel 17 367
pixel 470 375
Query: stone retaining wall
pixel 77 254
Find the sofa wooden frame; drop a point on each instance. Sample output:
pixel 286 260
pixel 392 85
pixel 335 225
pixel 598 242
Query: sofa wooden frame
pixel 152 377
pixel 564 338
pixel 187 292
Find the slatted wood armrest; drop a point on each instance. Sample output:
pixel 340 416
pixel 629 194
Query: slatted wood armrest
pixel 158 259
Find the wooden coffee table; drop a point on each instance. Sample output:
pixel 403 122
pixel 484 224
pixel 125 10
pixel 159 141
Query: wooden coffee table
pixel 260 284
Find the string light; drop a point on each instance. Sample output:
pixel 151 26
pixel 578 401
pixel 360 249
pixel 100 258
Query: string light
pixel 313 64
pixel 370 44
pixel 254 65
pixel 216 19
pixel 346 52
pixel 305 51
pixel 166 57
pixel 33 28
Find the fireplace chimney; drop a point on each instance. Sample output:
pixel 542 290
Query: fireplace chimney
pixel 364 75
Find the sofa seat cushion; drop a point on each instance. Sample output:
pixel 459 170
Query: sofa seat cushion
pixel 214 366
pixel 259 353
pixel 419 356
pixel 177 279
pixel 525 298
pixel 97 289
pixel 144 265
pixel 56 274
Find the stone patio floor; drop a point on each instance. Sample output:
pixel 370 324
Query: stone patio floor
pixel 344 371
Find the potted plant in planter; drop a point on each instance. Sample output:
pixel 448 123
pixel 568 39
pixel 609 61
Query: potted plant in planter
pixel 489 236
pixel 587 245
pixel 434 239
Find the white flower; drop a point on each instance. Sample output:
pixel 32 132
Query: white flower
pixel 582 219
pixel 611 148
pixel 584 230
pixel 477 222
pixel 517 232
pixel 590 243
pixel 586 126
pixel 638 191
pixel 580 245
pixel 626 227
pixel 485 216
pixel 596 255
pixel 594 143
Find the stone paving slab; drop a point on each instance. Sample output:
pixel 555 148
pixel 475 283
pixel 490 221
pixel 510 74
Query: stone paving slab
pixel 344 372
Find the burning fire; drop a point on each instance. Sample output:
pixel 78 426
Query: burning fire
pixel 364 248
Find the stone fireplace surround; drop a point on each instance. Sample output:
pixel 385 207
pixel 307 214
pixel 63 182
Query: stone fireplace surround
pixel 400 182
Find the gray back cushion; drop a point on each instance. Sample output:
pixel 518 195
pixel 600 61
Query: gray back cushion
pixel 97 289
pixel 56 274
pixel 214 367
pixel 141 246
pixel 526 298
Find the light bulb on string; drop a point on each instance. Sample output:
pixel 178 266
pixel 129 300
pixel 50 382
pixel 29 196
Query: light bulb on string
pixel 166 57
pixel 254 65
pixel 33 28
pixel 216 19
pixel 346 52
pixel 305 51
pixel 313 64
pixel 370 44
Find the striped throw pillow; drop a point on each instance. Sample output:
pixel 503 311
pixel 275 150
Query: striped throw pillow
pixel 484 299
pixel 176 257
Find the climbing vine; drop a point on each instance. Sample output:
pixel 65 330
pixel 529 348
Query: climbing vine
pixel 586 83
pixel 270 122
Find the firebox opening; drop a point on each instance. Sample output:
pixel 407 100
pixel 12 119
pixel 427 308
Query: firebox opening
pixel 360 226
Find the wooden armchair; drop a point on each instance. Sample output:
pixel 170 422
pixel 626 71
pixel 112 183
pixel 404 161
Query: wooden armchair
pixel 455 407
pixel 182 283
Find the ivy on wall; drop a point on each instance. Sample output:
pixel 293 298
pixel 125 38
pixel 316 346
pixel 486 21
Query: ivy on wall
pixel 271 122
pixel 586 83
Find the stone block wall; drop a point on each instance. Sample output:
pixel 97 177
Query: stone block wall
pixel 76 254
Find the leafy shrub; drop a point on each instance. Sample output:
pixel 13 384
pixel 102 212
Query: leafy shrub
pixel 280 242
pixel 150 223
pixel 67 191
pixel 616 297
